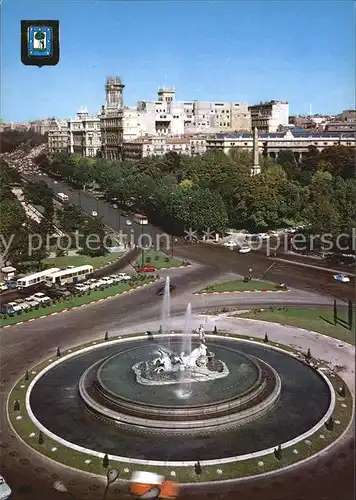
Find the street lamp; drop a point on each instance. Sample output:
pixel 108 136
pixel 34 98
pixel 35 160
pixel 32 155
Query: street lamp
pixel 61 487
pixel 111 476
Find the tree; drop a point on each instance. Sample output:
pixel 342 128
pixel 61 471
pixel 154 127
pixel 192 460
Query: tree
pixel 278 452
pixel 335 312
pixel 92 242
pixel 329 424
pixel 215 330
pixel 40 438
pixel 17 405
pixel 308 355
pixel 105 461
pixel 27 375
pixel 58 354
pixel 40 36
pixel 266 338
pixel 106 338
pixel 198 468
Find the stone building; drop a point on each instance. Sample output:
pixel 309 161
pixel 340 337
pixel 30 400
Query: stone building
pixel 111 119
pixel 84 134
pixel 273 143
pixel 58 136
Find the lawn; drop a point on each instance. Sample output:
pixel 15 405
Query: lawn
pixel 82 260
pixel 71 302
pixel 157 259
pixel 318 320
pixel 239 286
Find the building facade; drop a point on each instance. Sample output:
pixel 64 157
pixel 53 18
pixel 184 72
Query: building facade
pixel 84 135
pixel 112 119
pixel 58 136
pixel 273 143
pixel 146 147
pixel 268 116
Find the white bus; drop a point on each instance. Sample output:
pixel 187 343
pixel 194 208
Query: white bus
pixel 140 219
pixel 62 197
pixel 34 279
pixel 70 275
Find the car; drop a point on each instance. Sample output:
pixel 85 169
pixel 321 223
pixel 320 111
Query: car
pixel 244 250
pixel 342 278
pixel 41 297
pixel 230 243
pixel 161 289
pixel 128 222
pixel 146 269
pixel 32 302
pixel 94 213
pixel 13 307
pixel 107 280
pixel 124 276
pixel 25 306
pixel 5 490
pixel 115 205
pixel 81 287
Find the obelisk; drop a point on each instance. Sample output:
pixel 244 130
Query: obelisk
pixel 255 169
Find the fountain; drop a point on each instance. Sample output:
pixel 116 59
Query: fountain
pixel 185 384
pixel 166 310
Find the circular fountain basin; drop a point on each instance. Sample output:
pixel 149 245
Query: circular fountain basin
pixel 109 388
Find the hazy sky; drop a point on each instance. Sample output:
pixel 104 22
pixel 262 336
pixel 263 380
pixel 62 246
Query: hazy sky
pixel 234 50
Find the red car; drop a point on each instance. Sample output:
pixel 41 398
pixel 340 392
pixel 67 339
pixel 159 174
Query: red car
pixel 146 269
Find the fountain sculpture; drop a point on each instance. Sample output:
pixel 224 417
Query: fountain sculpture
pixel 181 368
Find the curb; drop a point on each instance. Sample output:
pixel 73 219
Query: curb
pixel 242 291
pixel 77 307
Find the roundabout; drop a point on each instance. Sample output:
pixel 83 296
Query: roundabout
pixel 79 435
pixel 74 464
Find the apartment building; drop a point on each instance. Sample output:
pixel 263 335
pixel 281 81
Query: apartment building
pixel 58 136
pixel 84 135
pixel 145 147
pixel 268 116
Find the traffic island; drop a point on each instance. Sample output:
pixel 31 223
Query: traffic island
pixel 157 260
pixel 241 286
pixel 42 441
pixel 337 324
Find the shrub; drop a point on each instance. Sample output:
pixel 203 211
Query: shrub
pixel 148 259
pixel 166 259
pixel 156 257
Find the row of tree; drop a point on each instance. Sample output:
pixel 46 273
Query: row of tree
pixel 216 190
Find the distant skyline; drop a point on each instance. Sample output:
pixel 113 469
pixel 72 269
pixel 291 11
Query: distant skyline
pixel 244 51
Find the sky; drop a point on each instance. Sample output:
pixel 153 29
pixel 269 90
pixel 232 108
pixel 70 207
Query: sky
pixel 242 51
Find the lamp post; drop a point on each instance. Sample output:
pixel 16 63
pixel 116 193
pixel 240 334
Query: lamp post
pixel 61 487
pixel 111 476
pixel 142 249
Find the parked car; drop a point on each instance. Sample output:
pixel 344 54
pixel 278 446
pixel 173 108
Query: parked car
pixel 25 306
pixel 13 307
pixel 107 280
pixel 146 269
pixel 342 278
pixel 115 205
pixel 32 302
pixel 41 297
pixel 128 222
pixel 94 213
pixel 124 276
pixel 3 287
pixel 81 287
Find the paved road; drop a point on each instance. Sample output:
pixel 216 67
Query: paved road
pixel 22 346
pixel 110 216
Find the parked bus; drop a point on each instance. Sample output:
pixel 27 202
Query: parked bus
pixel 62 197
pixel 70 275
pixel 140 219
pixel 34 279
